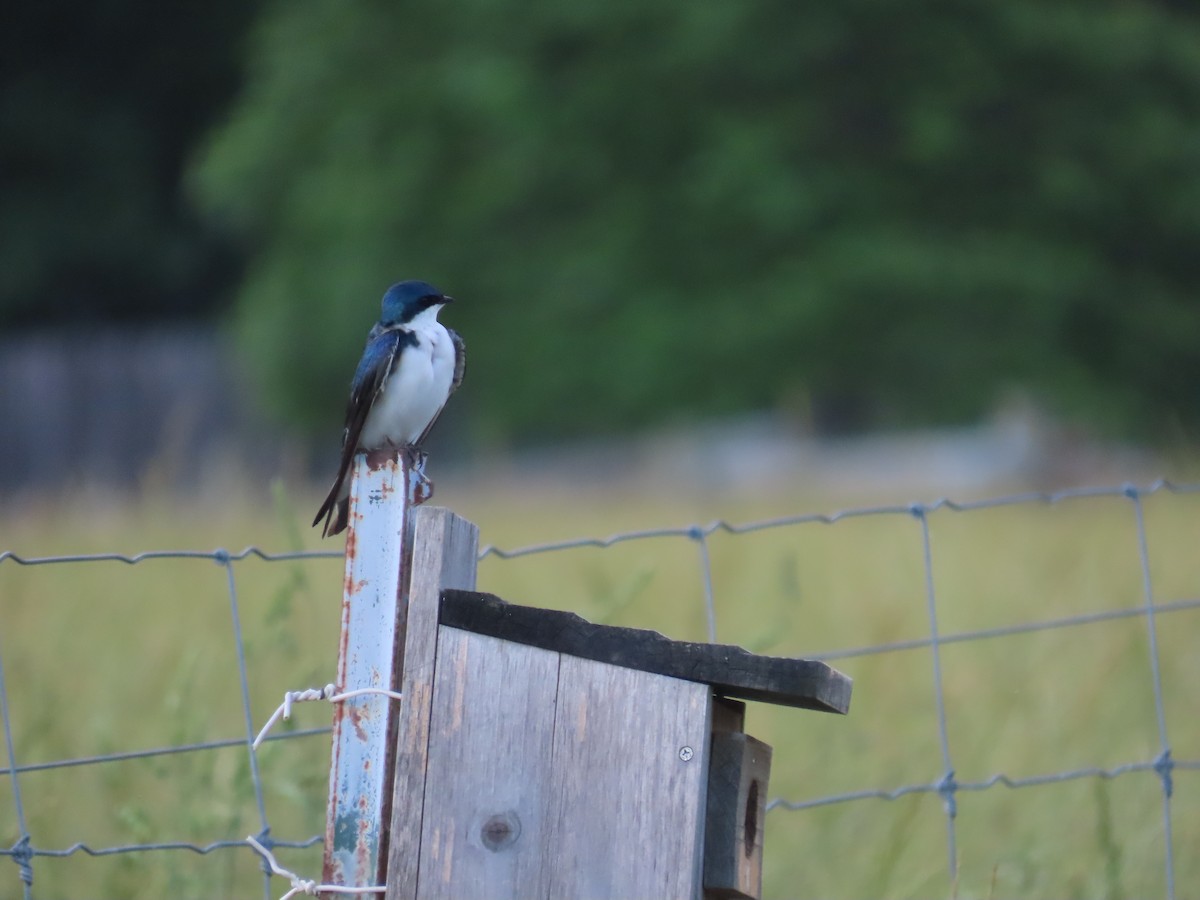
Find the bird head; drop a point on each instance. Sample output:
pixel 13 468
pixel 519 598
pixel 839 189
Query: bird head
pixel 404 301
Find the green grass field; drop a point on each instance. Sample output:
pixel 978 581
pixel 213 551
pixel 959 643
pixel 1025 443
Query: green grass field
pixel 104 657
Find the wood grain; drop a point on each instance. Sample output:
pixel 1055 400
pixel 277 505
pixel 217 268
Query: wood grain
pixel 736 813
pixel 443 556
pixel 490 758
pixel 627 792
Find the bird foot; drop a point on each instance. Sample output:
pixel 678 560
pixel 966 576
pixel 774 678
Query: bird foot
pixel 419 485
pixel 415 455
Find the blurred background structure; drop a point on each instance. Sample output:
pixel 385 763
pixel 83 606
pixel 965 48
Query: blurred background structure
pixel 876 216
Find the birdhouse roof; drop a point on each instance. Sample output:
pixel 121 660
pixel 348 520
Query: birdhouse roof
pixel 732 671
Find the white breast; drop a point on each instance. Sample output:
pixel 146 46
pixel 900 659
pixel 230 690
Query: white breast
pixel 414 391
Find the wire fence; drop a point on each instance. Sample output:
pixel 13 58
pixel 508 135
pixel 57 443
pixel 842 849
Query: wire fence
pixel 25 853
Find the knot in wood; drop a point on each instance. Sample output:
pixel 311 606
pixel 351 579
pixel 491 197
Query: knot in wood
pixel 500 831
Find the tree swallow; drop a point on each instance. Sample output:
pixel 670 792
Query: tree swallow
pixel 411 365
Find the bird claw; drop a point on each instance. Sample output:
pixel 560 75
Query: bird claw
pixel 421 488
pixel 416 457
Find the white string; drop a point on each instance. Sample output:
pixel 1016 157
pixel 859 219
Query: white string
pixel 329 692
pixel 304 885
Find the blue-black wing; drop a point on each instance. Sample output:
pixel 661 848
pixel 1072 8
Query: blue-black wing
pixel 383 349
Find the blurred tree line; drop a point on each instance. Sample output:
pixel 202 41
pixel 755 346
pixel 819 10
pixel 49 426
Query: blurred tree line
pixel 865 213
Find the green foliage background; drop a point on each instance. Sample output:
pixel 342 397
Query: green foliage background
pixel 870 212
pixel 865 213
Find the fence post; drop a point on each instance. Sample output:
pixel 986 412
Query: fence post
pixel 385 490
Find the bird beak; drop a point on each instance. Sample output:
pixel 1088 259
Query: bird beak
pixel 446 299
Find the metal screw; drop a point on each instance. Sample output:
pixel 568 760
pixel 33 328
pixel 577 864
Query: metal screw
pixel 686 753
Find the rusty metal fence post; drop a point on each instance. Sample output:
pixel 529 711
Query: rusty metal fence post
pixel 386 487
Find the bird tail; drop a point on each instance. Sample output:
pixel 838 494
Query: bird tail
pixel 335 512
pixel 340 520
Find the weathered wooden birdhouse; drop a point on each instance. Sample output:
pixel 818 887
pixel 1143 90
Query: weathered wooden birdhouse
pixel 542 756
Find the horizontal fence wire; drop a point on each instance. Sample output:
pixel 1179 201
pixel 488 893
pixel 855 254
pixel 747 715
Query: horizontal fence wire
pixel 23 852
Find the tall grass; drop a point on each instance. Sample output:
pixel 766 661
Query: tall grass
pixel 103 657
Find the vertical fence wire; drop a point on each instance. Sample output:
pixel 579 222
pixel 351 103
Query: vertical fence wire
pixel 21 849
pixel 264 835
pixel 710 602
pixel 1163 763
pixel 946 785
